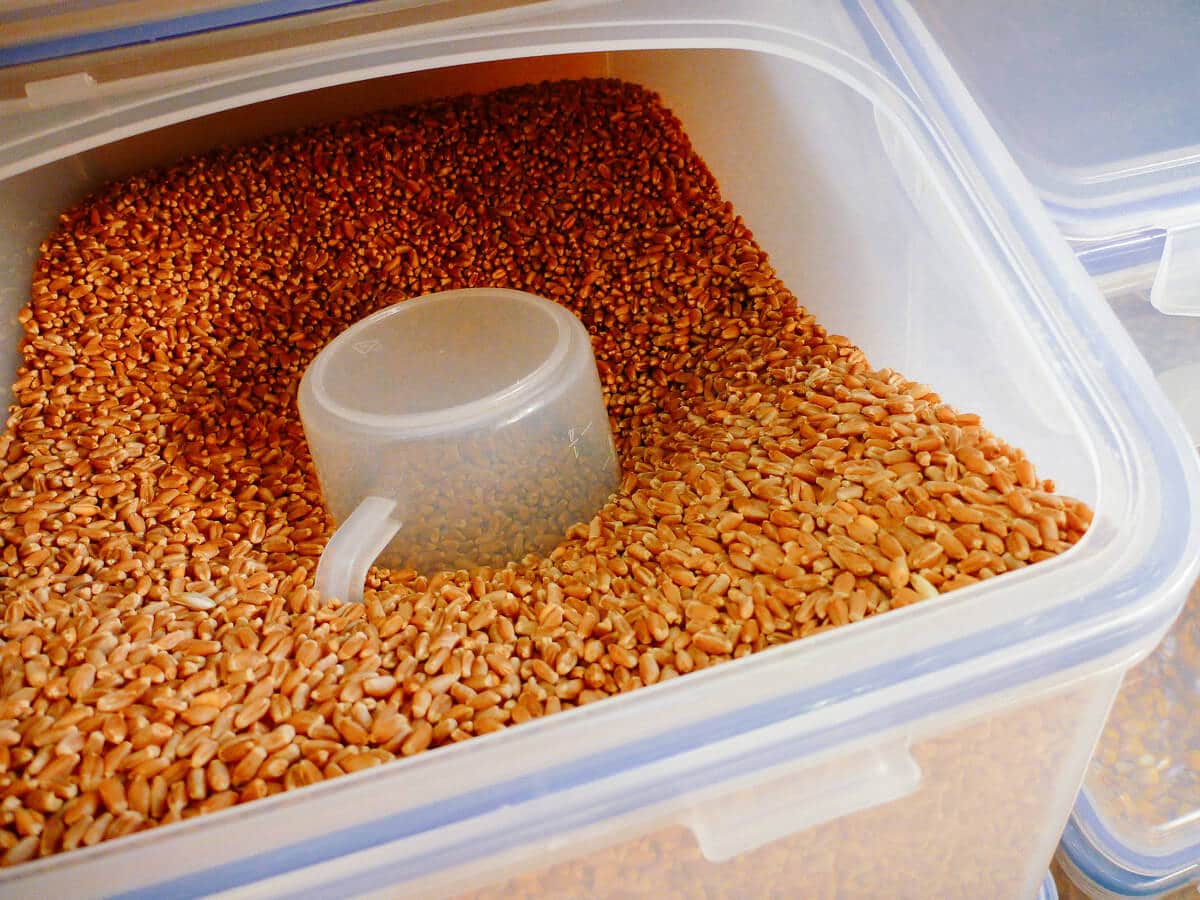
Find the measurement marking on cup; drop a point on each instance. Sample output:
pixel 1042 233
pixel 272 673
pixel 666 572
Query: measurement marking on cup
pixel 365 347
pixel 574 438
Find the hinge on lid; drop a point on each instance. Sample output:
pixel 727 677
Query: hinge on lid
pixel 63 89
pixel 1176 289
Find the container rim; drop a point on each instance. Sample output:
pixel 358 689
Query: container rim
pixel 1104 859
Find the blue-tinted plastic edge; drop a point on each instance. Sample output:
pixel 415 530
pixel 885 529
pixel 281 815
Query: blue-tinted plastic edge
pixel 1048 890
pixel 1149 211
pixel 147 32
pixel 1081 844
pixel 1106 257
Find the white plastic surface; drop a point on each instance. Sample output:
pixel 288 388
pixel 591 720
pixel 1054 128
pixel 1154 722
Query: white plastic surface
pixel 891 849
pixel 468 424
pixel 950 274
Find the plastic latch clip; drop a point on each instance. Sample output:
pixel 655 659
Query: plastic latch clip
pixel 63 89
pixel 800 797
pixel 1176 289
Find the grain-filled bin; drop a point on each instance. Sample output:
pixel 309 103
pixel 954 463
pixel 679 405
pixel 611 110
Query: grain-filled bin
pixel 931 751
pixel 1110 148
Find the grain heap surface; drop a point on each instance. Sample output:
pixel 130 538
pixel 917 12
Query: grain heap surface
pixel 164 653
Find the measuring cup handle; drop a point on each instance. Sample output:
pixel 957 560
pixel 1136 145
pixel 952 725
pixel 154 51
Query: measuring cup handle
pixel 354 547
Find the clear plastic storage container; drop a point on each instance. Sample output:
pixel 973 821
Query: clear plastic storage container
pixel 933 751
pixel 1096 103
pixel 1135 830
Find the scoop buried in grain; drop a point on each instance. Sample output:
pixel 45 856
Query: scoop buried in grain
pixel 774 484
pixel 459 429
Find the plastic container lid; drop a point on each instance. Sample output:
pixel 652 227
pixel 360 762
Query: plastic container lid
pixel 1096 102
pixel 1096 105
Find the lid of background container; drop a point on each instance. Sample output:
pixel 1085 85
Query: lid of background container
pixel 1096 102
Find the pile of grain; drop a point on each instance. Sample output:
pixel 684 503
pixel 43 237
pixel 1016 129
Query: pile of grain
pixel 164 653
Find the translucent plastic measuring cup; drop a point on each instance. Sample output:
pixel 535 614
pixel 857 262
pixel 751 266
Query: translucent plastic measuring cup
pixel 455 430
